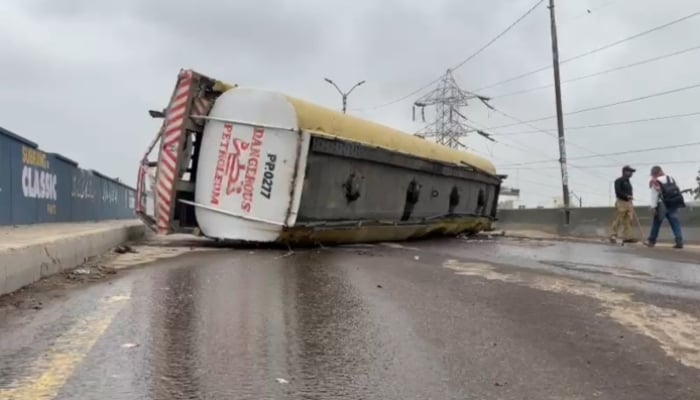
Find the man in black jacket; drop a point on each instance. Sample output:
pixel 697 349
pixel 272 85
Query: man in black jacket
pixel 624 209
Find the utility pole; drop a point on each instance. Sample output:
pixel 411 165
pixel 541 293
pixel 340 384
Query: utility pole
pixel 344 94
pixel 560 116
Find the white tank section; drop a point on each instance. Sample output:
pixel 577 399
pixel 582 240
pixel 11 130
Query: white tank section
pixel 251 167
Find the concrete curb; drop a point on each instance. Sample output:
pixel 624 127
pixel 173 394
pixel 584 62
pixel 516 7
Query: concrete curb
pixel 545 236
pixel 593 222
pixel 24 265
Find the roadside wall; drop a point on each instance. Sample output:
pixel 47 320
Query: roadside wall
pixel 593 222
pixel 34 252
pixel 38 187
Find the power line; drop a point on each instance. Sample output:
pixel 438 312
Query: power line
pixel 645 150
pixel 461 63
pixel 608 105
pixel 607 71
pixel 545 132
pixel 642 150
pixel 402 98
pixel 529 150
pixel 593 51
pixel 516 145
pixel 500 35
pixel 611 165
pixel 574 167
pixel 627 122
pixel 550 186
pixel 571 19
pixel 540 184
pixel 546 173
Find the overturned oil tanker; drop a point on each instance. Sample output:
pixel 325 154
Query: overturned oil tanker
pixel 251 165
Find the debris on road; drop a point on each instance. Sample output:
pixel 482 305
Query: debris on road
pixel 289 253
pixel 123 249
pixel 129 345
pixel 282 381
pixel 81 271
pixel 106 270
pixel 87 273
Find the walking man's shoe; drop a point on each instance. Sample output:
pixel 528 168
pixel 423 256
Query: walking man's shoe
pixel 649 244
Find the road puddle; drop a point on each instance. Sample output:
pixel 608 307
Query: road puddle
pixel 675 331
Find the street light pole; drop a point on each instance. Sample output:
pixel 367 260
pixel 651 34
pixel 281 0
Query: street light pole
pixel 344 95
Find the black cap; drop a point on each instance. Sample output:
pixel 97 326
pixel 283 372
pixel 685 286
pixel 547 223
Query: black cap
pixel 628 168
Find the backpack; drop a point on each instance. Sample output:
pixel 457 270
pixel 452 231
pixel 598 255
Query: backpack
pixel 671 194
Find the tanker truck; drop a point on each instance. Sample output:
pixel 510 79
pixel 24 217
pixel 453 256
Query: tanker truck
pixel 239 164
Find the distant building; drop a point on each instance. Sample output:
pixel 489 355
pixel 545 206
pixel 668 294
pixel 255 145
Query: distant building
pixel 574 202
pixel 506 205
pixel 558 202
pixel 508 198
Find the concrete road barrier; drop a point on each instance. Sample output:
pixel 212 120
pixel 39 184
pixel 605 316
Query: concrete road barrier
pixel 593 222
pixel 28 254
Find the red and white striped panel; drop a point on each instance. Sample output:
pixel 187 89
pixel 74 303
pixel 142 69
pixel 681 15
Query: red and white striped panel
pixel 167 168
pixel 200 107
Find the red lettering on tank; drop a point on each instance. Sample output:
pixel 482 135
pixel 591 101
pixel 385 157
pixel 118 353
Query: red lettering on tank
pixel 251 173
pixel 221 163
pixel 237 164
pixel 234 166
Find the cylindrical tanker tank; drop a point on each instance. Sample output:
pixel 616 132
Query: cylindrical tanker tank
pixel 251 165
pixel 272 168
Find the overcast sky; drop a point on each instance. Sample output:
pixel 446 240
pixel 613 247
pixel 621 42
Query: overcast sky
pixel 78 76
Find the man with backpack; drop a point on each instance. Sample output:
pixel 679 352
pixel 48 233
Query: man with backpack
pixel 666 199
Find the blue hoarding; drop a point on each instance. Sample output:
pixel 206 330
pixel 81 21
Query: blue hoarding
pixel 5 187
pixel 38 187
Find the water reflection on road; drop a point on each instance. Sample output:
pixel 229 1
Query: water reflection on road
pixel 442 319
pixel 232 330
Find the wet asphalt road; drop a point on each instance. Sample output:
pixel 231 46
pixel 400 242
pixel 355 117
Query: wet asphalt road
pixel 439 319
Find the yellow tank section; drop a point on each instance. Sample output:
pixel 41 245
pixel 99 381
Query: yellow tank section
pixel 332 123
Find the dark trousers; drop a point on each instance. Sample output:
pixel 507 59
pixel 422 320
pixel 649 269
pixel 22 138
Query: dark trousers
pixel 672 215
